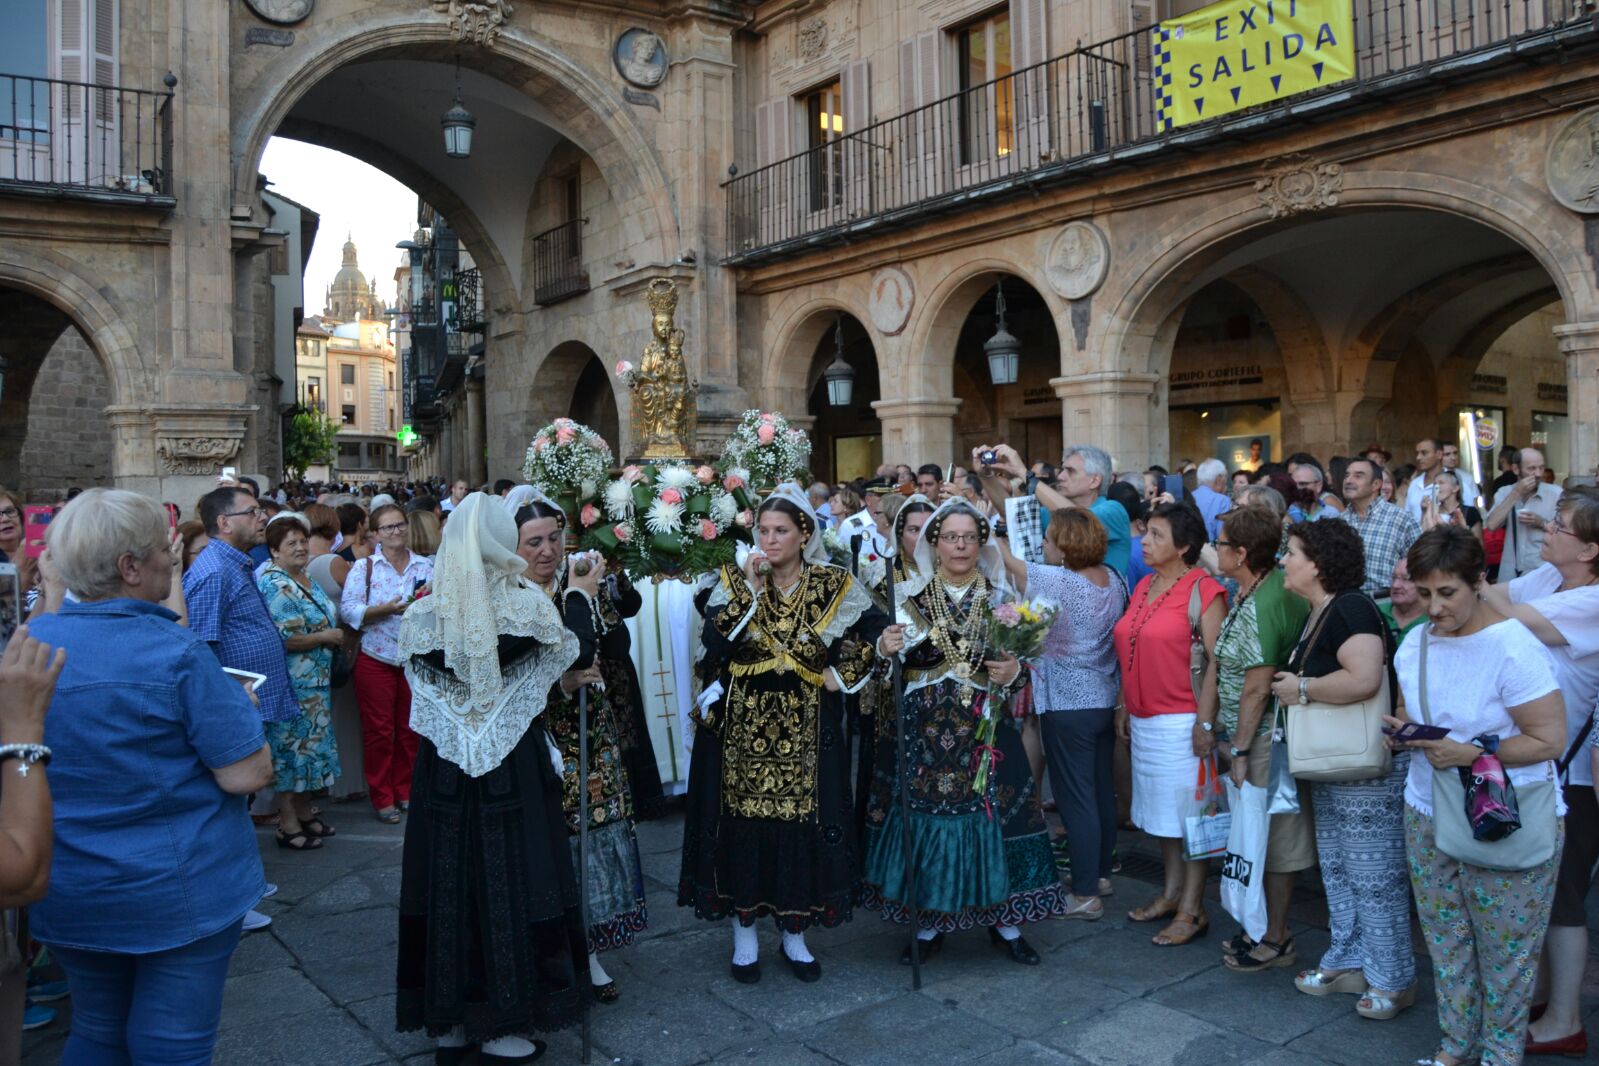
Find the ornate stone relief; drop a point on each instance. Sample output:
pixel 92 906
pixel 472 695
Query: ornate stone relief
pixel 891 299
pixel 283 12
pixel 811 37
pixel 195 455
pixel 1300 184
pixel 478 21
pixel 1078 259
pixel 1571 166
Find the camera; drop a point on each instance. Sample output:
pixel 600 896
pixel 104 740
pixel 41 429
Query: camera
pixel 988 457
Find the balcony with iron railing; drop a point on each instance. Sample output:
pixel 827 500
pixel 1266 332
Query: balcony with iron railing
pixel 75 140
pixel 558 272
pixel 1093 108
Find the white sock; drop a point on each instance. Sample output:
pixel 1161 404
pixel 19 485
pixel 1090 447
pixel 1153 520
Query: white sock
pixel 597 974
pixel 454 1038
pixel 794 947
pixel 926 934
pixel 510 1047
pixel 1009 932
pixel 746 945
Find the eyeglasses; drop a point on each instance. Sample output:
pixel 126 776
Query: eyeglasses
pixel 960 538
pixel 252 512
pixel 1218 543
pixel 1554 525
pixel 397 527
pixel 9 512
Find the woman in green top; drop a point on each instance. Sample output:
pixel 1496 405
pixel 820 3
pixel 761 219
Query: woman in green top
pixel 1403 609
pixel 1256 640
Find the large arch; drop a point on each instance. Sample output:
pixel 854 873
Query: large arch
pixel 929 368
pixel 785 374
pixel 572 382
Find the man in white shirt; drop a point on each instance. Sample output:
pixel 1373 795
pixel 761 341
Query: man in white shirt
pixel 1523 510
pixel 457 494
pixel 1429 463
pixel 865 524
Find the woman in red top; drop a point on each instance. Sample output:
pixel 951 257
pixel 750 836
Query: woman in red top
pixel 1159 716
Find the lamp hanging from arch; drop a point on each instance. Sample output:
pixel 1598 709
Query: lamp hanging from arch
pixel 839 375
pixel 1003 349
pixel 458 124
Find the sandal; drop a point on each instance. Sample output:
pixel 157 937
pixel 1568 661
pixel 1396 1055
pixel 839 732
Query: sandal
pixel 318 828
pixel 389 816
pixel 307 841
pixel 1174 936
pixel 1090 910
pixel 1319 982
pixel 1242 944
pixel 1156 909
pixel 1380 1006
pixel 1248 962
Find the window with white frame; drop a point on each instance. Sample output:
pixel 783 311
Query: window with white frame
pixel 824 128
pixel 987 112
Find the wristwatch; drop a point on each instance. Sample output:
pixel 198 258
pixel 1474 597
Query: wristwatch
pixel 1207 726
pixel 1237 752
pixel 1304 693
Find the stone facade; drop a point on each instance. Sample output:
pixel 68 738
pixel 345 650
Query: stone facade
pixel 68 442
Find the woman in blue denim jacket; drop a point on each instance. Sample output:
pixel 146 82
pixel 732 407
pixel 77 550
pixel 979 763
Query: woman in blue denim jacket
pixel 153 750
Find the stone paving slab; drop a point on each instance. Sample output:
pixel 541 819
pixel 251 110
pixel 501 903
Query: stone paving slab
pixel 317 988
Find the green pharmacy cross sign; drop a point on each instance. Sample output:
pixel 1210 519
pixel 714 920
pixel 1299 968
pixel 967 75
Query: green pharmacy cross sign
pixel 406 436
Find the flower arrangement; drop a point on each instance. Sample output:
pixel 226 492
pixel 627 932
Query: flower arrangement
pixel 766 449
pixel 668 520
pixel 1017 628
pixel 568 462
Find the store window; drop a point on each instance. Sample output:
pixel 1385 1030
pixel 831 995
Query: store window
pixel 824 126
pixel 987 109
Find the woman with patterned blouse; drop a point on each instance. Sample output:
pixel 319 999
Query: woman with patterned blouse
pixel 769 829
pixel 982 858
pixel 615 880
pixel 305 757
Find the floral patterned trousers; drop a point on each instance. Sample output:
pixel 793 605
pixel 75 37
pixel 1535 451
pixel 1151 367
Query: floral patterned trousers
pixel 1484 929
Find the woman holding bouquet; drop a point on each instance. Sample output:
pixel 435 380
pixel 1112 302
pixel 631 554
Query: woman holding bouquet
pixel 615 881
pixel 769 828
pixel 981 847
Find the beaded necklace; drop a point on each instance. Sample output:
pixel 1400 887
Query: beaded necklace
pixel 957 630
pixel 1142 618
pixel 1236 610
pixel 775 625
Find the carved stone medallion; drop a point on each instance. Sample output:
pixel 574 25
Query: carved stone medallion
pixel 478 21
pixel 640 57
pixel 283 12
pixel 1078 260
pixel 812 37
pixel 1300 185
pixel 891 299
pixel 1572 165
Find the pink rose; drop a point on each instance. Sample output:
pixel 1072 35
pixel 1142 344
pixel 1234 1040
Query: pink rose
pixel 671 496
pixel 705 474
pixel 632 475
pixel 745 519
pixel 732 481
pixel 765 433
pixel 623 368
pixel 707 529
pixel 540 443
pixel 623 532
pixel 565 435
pixel 590 514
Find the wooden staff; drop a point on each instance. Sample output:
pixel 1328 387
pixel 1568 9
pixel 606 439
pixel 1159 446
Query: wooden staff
pixel 580 568
pixel 902 770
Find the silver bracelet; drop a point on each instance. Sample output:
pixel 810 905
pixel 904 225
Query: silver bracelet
pixel 29 755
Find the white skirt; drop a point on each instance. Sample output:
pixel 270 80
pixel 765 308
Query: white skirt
pixel 1164 763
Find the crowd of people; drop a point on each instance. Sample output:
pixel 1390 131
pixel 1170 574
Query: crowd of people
pixel 863 737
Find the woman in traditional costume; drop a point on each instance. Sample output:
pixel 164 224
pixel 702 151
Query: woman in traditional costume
pixel 491 935
pixel 616 910
pixel 769 829
pixel 618 601
pixel 982 858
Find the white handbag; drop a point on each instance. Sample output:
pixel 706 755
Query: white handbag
pixel 1340 741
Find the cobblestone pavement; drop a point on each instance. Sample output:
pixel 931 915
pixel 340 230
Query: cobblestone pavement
pixel 317 987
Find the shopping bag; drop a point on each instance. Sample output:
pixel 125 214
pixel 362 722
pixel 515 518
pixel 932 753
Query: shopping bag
pixel 1282 788
pixel 1204 812
pixel 1243 870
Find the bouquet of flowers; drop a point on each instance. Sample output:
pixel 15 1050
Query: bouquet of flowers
pixel 569 463
pixel 669 520
pixel 1018 628
pixel 765 447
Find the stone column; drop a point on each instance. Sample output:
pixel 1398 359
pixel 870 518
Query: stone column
pixel 1117 411
pixel 920 430
pixel 446 448
pixel 1580 343
pixel 475 468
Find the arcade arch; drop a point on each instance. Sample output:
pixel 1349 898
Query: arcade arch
pixel 573 382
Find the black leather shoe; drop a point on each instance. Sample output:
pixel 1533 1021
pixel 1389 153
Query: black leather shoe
pixel 809 972
pixel 539 1047
pixel 925 948
pixel 747 975
pixel 1019 949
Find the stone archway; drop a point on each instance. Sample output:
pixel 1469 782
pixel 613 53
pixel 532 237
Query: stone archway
pixel 573 382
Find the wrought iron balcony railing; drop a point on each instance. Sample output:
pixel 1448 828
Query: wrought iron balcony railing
pixel 1095 106
pixel 558 272
pixel 60 138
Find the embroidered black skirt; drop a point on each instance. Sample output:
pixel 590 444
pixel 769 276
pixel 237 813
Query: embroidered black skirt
pixel 491 937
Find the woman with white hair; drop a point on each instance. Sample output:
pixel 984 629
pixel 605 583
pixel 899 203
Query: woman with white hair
pixel 769 830
pixel 982 857
pixel 491 934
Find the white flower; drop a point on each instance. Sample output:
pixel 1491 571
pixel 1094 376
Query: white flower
pixel 663 517
pixel 723 510
pixel 676 477
pixel 619 500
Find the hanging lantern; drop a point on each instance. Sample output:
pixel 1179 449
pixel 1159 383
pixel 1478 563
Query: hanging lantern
pixel 458 124
pixel 839 375
pixel 1004 351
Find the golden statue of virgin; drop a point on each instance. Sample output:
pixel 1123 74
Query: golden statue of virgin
pixel 665 417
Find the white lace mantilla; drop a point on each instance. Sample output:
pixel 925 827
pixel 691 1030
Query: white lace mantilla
pixel 477 737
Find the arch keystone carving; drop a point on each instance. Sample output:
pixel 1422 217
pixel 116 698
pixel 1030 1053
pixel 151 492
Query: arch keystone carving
pixel 477 21
pixel 1299 184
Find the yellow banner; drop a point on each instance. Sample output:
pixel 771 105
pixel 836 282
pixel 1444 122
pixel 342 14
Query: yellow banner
pixel 1243 53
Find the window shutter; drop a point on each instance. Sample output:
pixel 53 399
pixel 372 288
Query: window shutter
pixel 1140 112
pixel 859 163
pixel 927 133
pixel 774 131
pixel 1029 21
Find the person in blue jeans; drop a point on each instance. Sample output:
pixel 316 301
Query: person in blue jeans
pixel 153 750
